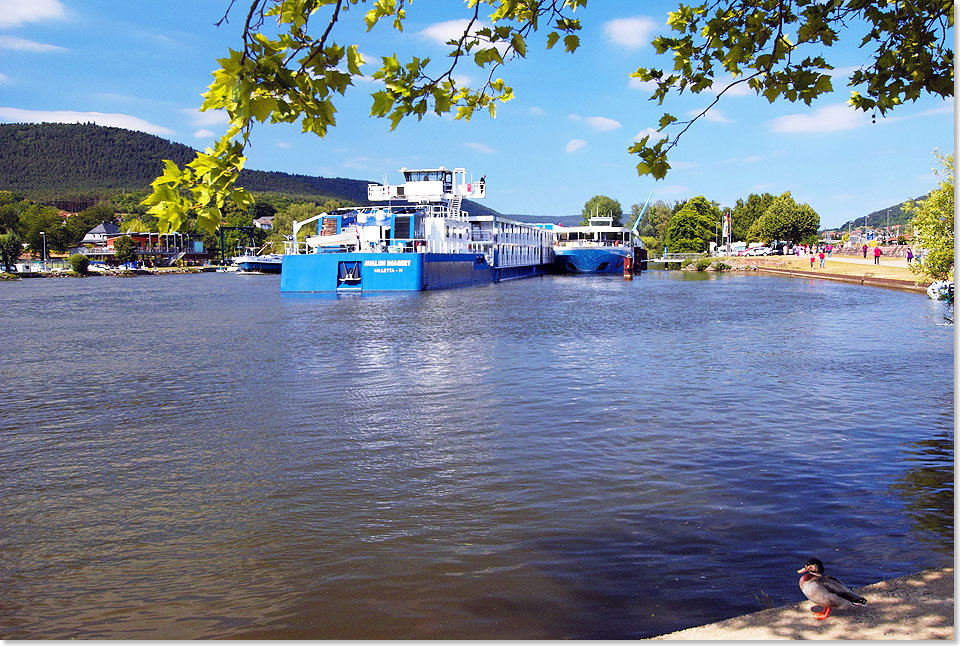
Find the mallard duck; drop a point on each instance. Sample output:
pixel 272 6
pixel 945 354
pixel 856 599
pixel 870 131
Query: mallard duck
pixel 825 590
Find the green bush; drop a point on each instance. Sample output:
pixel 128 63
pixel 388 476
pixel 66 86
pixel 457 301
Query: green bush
pixel 79 263
pixel 703 264
pixel 721 266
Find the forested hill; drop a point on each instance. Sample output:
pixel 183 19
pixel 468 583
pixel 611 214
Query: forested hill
pixel 52 160
pixel 894 215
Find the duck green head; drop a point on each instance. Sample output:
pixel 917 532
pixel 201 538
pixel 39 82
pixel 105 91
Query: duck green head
pixel 814 566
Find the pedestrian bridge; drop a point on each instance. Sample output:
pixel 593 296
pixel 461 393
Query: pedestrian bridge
pixel 679 257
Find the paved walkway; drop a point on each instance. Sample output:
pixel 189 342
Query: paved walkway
pixel 919 606
pixel 884 260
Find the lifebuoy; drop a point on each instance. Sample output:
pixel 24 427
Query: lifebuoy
pixel 469 188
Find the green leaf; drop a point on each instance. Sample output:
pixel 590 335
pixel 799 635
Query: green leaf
pixel 354 60
pixel 666 120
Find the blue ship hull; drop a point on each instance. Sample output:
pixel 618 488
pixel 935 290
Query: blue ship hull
pixel 345 272
pixel 262 267
pixel 591 260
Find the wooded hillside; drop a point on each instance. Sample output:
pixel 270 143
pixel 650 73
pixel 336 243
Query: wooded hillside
pixel 51 162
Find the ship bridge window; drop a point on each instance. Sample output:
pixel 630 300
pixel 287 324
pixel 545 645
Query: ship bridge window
pixel 427 176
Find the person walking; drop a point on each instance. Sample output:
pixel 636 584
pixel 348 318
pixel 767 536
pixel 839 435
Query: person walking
pixel 821 259
pixel 909 255
pixel 876 255
pixel 812 260
pixel 864 252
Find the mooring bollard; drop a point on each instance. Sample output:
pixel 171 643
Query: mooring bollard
pixel 627 268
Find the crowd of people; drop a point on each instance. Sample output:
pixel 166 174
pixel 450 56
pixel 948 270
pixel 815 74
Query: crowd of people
pixel 820 252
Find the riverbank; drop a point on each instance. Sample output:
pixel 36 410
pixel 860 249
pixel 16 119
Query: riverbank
pixel 156 271
pixel 919 606
pixel 893 274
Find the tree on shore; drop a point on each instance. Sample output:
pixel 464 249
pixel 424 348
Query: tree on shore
pixel 602 206
pixel 79 224
pixel 124 250
pixel 748 211
pixel 292 69
pixel 932 223
pixel 654 220
pixel 786 220
pixel 693 226
pixel 10 248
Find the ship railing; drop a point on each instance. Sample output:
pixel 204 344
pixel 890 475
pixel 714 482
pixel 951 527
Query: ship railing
pixel 404 245
pixel 681 257
pixel 143 250
pixel 294 247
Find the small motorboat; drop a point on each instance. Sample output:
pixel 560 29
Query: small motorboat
pixel 941 290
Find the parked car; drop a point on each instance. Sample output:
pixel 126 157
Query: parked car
pixel 759 251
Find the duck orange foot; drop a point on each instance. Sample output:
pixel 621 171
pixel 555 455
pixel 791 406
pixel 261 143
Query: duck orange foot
pixel 823 614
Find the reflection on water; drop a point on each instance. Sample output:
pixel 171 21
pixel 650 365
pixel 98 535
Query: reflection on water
pixel 927 488
pixel 573 457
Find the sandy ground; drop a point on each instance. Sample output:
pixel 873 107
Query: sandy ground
pixel 885 262
pixel 919 606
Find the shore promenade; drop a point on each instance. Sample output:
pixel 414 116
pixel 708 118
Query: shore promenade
pixel 886 261
pixel 919 606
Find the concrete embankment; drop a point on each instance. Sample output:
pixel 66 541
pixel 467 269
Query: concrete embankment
pixel 919 606
pixel 873 281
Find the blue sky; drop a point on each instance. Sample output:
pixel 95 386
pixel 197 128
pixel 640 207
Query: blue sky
pixel 563 139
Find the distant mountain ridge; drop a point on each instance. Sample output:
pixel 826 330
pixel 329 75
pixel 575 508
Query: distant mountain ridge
pixel 42 161
pixel 895 214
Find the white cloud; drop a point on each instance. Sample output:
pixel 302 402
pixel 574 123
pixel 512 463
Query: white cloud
pixel 207 118
pixel 652 132
pixel 442 32
pixel 831 118
pixel 14 13
pixel 204 134
pixel 946 108
pixel 17 115
pixel 537 111
pixel 22 44
pixel 480 148
pixel 463 80
pixel 637 84
pixel 712 115
pixel 603 124
pixel 720 82
pixel 282 145
pixel 631 33
pixel 575 144
pixel 574 117
pixel 4 78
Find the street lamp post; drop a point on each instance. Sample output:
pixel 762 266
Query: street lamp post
pixel 44 236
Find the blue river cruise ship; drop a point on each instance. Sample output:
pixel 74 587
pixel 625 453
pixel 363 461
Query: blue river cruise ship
pixel 420 239
pixel 598 248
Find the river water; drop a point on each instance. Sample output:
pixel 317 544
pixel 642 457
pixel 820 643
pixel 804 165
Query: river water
pixel 562 457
